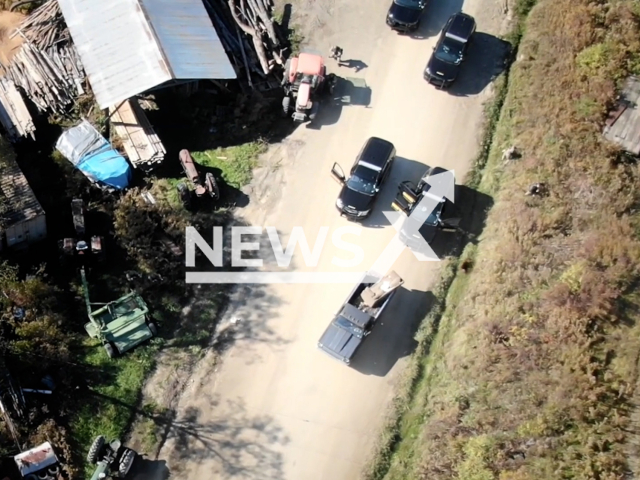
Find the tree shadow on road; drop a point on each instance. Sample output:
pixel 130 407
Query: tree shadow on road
pixel 244 446
pixel 393 336
pixel 434 17
pixel 487 58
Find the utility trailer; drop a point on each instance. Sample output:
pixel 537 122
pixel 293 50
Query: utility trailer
pixel 358 315
pixel 38 463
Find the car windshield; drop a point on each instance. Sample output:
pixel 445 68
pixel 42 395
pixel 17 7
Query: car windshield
pixel 449 52
pixel 413 4
pixel 363 180
pixel 348 326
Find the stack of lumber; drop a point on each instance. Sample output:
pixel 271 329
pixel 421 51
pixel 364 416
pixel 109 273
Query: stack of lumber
pixel 48 67
pixel 142 145
pixel 249 35
pixel 14 115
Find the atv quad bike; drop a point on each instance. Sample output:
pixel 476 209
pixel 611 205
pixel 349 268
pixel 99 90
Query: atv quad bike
pixel 112 459
pixel 305 82
pixel 208 185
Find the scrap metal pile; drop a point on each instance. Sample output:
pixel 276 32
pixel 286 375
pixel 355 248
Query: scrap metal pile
pixel 47 66
pixel 238 20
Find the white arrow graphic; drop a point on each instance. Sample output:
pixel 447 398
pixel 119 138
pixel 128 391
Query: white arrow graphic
pixel 442 186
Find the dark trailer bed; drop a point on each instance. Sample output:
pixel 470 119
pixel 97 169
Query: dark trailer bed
pixel 358 316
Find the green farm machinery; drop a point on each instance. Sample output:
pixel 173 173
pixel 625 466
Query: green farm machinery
pixel 121 324
pixel 112 460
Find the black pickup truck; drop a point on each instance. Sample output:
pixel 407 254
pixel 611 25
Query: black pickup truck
pixel 357 316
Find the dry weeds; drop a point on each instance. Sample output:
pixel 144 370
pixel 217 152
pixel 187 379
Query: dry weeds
pixel 533 372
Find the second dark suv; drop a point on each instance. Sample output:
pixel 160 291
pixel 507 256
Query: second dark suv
pixel 448 54
pixel 360 190
pixel 404 15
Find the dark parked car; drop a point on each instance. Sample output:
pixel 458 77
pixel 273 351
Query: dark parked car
pixel 360 190
pixel 358 315
pixel 408 199
pixel 449 52
pixel 404 15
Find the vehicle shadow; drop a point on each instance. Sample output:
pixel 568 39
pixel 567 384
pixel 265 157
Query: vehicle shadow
pixel 144 468
pixel 393 336
pixel 487 58
pixel 471 207
pixel 348 92
pixel 435 16
pixel 402 169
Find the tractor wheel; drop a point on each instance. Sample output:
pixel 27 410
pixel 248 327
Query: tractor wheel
pixel 126 462
pixel 314 112
pixel 286 105
pixel 44 475
pixel 54 470
pixel 95 452
pixel 153 329
pixel 110 349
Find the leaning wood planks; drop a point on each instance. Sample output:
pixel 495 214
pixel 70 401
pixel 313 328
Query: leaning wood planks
pixel 140 142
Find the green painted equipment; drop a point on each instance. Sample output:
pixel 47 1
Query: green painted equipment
pixel 120 325
pixel 112 459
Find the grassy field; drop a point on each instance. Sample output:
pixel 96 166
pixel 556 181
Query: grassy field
pixel 236 163
pixel 531 370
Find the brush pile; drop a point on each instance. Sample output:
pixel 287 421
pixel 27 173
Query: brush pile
pixel 47 67
pixel 250 36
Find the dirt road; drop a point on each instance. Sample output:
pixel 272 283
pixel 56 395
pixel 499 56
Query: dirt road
pixel 275 407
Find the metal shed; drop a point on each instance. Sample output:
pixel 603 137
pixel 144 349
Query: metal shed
pixel 623 122
pixel 24 218
pixel 130 46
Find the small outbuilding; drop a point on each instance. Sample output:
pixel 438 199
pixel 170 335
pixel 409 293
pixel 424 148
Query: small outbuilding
pixel 130 46
pixel 22 218
pixel 622 126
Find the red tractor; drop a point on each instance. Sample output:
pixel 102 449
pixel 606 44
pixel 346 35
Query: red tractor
pixel 305 81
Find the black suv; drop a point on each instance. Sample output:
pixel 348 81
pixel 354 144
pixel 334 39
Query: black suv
pixel 404 15
pixel 360 190
pixel 449 52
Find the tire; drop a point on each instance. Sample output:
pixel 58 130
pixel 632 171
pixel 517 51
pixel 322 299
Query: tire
pixel 31 476
pixel 314 112
pixel 286 105
pixel 54 470
pixel 96 450
pixel 153 328
pixel 110 349
pixel 44 475
pixel 126 461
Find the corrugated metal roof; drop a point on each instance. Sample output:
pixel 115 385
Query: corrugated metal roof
pixel 17 200
pixel 623 126
pixel 130 46
pixel 188 39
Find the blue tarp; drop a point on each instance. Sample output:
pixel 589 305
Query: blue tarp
pixel 94 157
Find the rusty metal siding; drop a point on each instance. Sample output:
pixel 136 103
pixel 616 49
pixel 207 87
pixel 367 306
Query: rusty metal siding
pixel 116 46
pixel 188 39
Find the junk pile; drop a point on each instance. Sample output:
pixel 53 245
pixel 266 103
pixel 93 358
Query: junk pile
pixel 94 156
pixel 47 66
pixel 131 125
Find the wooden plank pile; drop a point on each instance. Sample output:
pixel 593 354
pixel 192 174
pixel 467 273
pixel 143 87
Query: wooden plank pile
pixel 250 37
pixel 140 142
pixel 14 115
pixel 48 67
